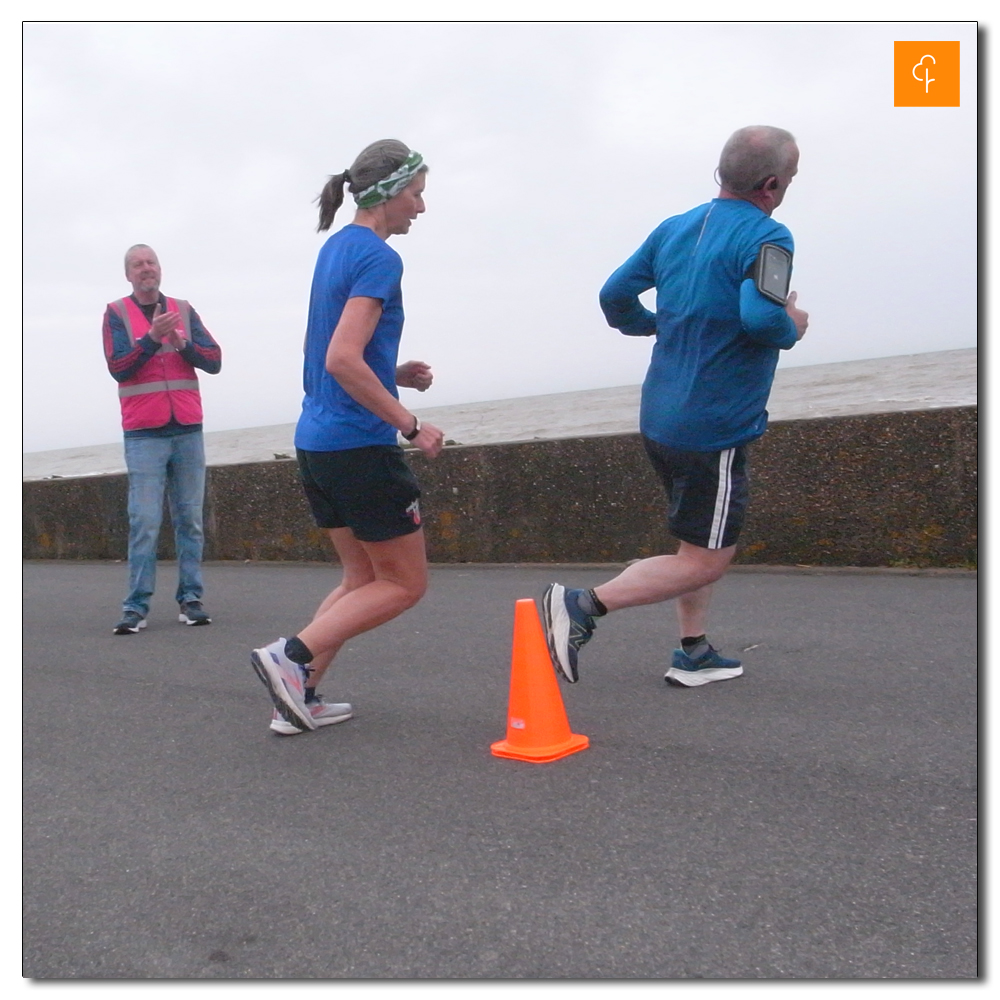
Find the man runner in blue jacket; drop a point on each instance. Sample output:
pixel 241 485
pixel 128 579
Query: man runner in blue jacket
pixel 717 340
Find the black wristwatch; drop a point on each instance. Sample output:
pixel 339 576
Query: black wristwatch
pixel 414 432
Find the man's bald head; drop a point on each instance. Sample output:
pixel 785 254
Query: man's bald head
pixel 753 154
pixel 135 248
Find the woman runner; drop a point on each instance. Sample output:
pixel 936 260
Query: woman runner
pixel 358 484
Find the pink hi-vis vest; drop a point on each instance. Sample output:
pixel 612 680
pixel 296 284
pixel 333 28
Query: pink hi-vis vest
pixel 166 385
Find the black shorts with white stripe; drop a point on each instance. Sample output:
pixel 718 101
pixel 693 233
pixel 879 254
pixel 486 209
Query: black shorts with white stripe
pixel 708 491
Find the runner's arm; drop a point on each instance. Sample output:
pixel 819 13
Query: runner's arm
pixel 619 297
pixel 765 322
pixel 345 361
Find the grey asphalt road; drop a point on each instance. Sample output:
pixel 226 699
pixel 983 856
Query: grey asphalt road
pixel 814 819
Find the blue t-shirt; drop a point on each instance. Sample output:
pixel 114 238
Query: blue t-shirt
pixel 353 262
pixel 717 337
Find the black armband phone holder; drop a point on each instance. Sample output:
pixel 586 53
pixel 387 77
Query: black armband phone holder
pixel 772 272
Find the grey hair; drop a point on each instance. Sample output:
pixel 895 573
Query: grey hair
pixel 753 154
pixel 374 163
pixel 137 246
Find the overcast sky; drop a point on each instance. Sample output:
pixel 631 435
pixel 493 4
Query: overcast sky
pixel 554 149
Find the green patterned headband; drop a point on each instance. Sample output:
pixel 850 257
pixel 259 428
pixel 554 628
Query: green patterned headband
pixel 388 188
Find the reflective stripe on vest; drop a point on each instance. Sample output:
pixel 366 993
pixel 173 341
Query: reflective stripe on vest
pixel 138 390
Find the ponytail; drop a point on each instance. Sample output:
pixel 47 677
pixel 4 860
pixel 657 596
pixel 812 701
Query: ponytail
pixel 330 199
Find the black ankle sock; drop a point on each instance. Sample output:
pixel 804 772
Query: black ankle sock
pixel 590 604
pixel 297 651
pixel 311 695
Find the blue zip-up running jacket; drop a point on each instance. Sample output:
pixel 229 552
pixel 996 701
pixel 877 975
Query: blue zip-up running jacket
pixel 717 337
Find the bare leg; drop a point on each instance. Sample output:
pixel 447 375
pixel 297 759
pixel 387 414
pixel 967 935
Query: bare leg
pixel 692 611
pixel 662 578
pixel 363 601
pixel 358 571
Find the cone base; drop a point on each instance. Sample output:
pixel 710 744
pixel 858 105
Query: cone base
pixel 540 755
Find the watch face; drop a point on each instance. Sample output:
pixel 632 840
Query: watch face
pixel 775 272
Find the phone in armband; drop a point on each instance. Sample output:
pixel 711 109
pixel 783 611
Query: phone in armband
pixel 772 272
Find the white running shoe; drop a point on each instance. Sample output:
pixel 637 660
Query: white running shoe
pixel 324 713
pixel 285 681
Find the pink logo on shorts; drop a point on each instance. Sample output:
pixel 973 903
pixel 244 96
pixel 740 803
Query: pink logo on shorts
pixel 414 511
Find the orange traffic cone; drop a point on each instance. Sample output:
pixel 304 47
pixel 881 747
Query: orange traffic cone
pixel 537 728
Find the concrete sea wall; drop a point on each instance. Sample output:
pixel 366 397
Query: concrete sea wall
pixel 883 489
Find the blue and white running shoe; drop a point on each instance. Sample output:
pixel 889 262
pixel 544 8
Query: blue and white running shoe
pixel 710 666
pixel 567 628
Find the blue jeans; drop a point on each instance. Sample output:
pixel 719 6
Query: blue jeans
pixel 176 464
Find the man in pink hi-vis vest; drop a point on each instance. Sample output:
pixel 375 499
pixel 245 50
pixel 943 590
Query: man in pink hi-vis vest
pixel 153 344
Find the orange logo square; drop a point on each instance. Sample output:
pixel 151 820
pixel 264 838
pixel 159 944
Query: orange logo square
pixel 926 75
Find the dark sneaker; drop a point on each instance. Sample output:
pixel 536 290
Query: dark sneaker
pixel 567 628
pixel 710 666
pixel 324 713
pixel 131 622
pixel 192 613
pixel 285 683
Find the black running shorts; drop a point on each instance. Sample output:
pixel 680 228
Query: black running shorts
pixel 370 490
pixel 708 492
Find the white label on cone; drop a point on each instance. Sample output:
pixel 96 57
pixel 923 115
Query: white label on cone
pixel 516 723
